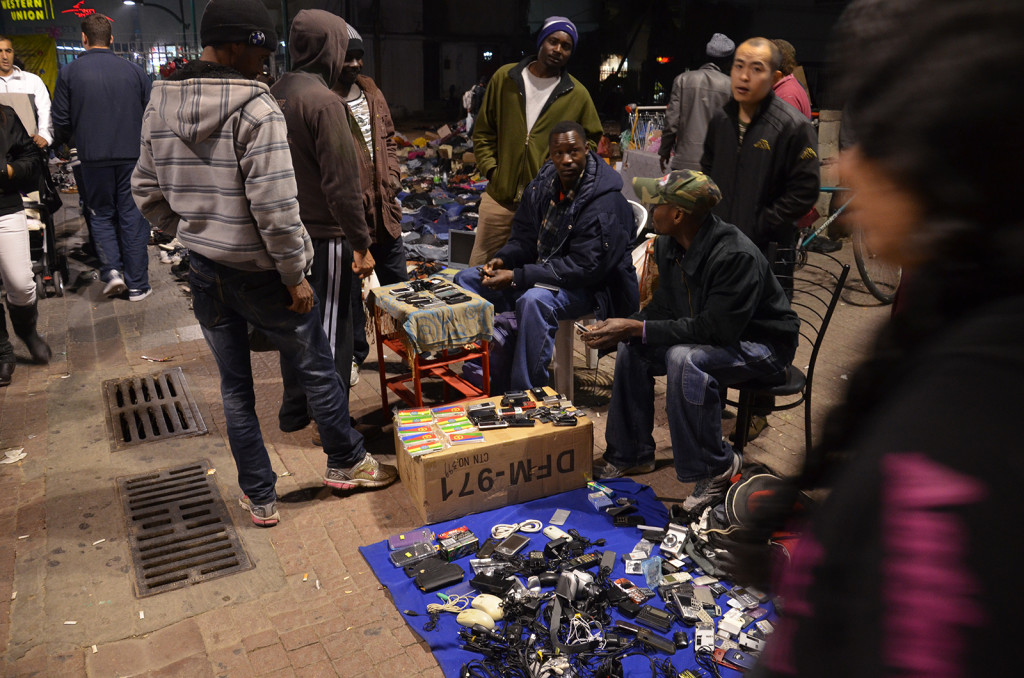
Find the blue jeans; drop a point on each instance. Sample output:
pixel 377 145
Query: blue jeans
pixel 692 401
pixel 538 311
pixel 225 300
pixel 390 266
pixel 120 233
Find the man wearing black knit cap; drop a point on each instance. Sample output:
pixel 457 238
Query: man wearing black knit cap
pixel 215 168
pixel 522 104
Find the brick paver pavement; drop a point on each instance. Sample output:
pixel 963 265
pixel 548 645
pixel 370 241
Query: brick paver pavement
pixel 311 606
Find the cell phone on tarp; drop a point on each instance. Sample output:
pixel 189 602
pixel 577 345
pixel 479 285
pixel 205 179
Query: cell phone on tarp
pixel 511 545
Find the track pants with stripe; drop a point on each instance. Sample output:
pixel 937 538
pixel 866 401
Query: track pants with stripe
pixel 331 280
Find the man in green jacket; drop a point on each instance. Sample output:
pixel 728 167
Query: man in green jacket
pixel 522 103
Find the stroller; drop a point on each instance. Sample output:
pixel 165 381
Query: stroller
pixel 49 265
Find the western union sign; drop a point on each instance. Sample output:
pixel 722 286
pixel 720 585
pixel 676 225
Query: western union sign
pixel 28 10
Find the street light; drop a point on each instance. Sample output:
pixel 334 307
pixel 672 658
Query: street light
pixel 177 17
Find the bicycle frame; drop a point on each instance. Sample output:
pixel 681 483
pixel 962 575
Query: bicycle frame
pixel 828 222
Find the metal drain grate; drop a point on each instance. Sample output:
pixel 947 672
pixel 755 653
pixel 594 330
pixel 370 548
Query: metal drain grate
pixel 179 529
pixel 155 407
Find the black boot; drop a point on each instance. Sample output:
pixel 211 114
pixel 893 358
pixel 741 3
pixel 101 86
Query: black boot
pixel 24 318
pixel 6 352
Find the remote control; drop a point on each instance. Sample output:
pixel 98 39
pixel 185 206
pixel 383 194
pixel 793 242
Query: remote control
pixel 584 562
pixel 660 620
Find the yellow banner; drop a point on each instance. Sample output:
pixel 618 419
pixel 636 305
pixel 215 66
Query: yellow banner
pixel 39 52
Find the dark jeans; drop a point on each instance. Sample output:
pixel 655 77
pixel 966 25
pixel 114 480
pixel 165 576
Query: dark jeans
pixel 225 300
pixel 538 312
pixel 692 402
pixel 330 278
pixel 120 233
pixel 390 266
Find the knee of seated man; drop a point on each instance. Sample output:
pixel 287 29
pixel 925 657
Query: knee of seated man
pixel 535 298
pixel 468 278
pixel 688 362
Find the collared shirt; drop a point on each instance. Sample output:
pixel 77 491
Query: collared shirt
pixel 22 82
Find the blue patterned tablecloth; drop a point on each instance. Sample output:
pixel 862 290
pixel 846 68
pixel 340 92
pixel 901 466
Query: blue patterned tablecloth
pixel 435 329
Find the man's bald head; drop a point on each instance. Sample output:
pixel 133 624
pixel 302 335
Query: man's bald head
pixel 775 60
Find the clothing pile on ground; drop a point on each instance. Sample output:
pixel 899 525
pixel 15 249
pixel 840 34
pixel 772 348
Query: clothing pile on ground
pixel 442 190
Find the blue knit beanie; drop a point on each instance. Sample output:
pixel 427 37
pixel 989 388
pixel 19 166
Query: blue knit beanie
pixel 553 24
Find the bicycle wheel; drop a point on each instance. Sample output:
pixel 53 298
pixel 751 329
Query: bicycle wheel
pixel 881 278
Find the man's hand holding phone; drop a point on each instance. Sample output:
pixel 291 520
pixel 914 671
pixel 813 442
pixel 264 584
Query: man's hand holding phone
pixel 608 333
pixel 491 267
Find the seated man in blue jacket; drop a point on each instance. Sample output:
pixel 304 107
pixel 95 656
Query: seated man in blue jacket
pixel 719 316
pixel 568 254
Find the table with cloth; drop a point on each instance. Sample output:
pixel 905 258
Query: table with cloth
pixel 430 340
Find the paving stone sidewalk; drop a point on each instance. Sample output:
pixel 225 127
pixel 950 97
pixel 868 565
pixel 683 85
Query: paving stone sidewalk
pixel 311 606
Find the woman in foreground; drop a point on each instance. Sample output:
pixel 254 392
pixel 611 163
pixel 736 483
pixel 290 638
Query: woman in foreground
pixel 911 565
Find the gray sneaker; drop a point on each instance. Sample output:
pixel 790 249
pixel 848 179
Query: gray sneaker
pixel 710 490
pixel 367 473
pixel 115 286
pixel 264 515
pixel 604 469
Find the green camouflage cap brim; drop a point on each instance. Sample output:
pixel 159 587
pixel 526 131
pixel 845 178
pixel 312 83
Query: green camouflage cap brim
pixel 692 191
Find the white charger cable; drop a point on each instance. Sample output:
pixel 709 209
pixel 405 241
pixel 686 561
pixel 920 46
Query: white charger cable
pixel 502 530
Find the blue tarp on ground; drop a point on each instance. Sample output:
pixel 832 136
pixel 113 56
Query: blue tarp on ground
pixel 444 641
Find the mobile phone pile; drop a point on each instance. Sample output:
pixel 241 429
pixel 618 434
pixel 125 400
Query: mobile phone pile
pixel 537 602
pixel 430 293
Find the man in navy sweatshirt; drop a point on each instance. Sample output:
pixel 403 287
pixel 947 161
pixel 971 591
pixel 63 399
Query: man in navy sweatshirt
pixel 99 100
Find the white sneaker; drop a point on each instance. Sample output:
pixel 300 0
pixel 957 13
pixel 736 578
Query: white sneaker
pixel 115 286
pixel 353 378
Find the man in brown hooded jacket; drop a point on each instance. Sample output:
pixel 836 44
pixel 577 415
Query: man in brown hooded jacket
pixel 330 205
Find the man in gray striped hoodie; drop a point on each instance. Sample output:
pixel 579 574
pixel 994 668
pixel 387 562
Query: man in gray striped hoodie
pixel 215 169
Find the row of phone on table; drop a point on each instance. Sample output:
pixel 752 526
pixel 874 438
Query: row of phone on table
pixel 429 293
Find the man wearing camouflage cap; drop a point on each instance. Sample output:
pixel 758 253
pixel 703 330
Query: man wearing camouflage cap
pixel 718 317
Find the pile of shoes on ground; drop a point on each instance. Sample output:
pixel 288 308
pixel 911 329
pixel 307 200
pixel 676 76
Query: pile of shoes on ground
pixel 442 190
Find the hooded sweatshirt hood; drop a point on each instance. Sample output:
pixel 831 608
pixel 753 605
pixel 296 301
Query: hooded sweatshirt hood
pixel 201 97
pixel 317 42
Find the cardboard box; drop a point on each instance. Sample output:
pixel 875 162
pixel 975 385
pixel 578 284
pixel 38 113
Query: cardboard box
pixel 511 466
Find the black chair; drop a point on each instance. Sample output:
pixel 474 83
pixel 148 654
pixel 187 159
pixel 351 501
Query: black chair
pixel 815 293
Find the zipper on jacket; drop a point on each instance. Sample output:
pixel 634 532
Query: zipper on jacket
pixel 557 94
pixel 689 297
pixel 520 185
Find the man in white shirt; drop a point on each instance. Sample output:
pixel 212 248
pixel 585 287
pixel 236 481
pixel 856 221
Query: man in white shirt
pixel 13 79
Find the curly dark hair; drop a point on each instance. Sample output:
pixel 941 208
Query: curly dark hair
pixel 788 52
pixel 934 88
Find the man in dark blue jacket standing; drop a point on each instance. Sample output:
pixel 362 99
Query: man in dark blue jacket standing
pixel 99 100
pixel 568 254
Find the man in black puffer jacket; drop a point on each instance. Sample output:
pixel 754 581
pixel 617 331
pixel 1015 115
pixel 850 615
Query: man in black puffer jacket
pixel 568 254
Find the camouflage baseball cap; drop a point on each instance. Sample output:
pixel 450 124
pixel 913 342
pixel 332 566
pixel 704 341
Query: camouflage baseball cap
pixel 692 191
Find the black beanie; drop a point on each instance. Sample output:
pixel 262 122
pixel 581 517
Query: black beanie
pixel 355 41
pixel 227 21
